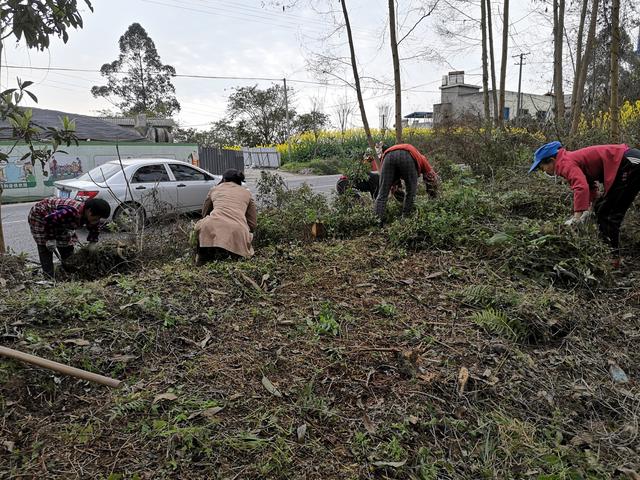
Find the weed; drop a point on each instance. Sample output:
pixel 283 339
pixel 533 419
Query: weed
pixel 326 322
pixel 388 310
pixel 497 322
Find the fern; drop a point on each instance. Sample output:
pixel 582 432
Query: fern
pixel 478 295
pixel 124 409
pixel 497 322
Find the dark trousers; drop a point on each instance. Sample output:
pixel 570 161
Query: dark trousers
pixel 397 165
pixel 611 209
pixel 46 258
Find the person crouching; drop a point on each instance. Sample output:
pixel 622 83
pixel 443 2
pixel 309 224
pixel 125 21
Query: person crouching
pixel 229 219
pixel 53 222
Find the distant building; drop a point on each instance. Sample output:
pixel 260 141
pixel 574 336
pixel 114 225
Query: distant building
pixel 418 120
pixel 459 99
pixel 157 130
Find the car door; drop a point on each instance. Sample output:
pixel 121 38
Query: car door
pixel 192 186
pixel 153 188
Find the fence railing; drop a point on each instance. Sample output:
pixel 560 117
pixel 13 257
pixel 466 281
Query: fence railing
pixel 217 160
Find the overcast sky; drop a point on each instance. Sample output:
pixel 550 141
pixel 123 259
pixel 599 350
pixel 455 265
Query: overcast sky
pixel 243 39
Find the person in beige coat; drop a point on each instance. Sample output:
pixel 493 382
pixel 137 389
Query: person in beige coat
pixel 229 218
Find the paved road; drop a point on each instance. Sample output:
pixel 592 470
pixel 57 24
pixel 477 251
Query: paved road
pixel 18 238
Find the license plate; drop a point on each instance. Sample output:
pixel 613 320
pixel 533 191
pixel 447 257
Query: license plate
pixel 64 193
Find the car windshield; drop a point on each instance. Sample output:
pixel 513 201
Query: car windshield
pixel 101 173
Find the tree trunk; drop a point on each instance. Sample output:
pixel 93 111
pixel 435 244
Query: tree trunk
pixel 503 65
pixel 485 67
pixel 614 108
pixel 396 69
pixel 494 91
pixel 558 42
pixel 576 73
pixel 2 245
pixel 356 80
pixel 584 66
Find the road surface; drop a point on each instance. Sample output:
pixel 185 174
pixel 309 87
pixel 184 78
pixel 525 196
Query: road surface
pixel 18 238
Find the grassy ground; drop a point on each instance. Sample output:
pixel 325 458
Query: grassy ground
pixel 464 348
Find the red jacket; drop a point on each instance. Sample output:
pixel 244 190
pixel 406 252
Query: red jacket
pixel 584 167
pixel 424 167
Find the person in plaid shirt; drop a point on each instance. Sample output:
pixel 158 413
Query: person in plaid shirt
pixel 53 222
pixel 404 162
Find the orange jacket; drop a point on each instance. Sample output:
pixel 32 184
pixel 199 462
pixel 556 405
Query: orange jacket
pixel 424 167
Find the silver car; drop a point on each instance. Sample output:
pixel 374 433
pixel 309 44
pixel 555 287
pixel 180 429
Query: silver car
pixel 147 187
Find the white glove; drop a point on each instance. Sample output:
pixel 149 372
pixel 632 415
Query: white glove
pixel 581 220
pixel 51 245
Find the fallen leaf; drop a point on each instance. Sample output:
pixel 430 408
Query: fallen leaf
pixel 413 420
pixel 407 281
pixel 139 302
pixel 165 396
pixel 265 277
pixel 122 358
pixel 266 383
pixel 204 342
pixel 368 424
pixel 427 377
pixel 301 431
pixel 390 464
pixel 216 292
pixel 463 378
pixel 235 396
pixel 80 342
pixel 9 445
pixel 434 275
pixel 3 282
pixel 212 412
pixel 632 474
pixel 250 281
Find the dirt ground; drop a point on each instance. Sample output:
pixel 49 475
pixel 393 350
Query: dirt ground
pixel 334 359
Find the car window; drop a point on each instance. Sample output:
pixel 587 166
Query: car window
pixel 151 174
pixel 101 173
pixel 185 173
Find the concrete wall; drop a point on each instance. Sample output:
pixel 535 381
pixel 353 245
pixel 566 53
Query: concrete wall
pixel 23 182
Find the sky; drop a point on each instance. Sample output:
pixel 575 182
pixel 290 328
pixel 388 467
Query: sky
pixel 243 38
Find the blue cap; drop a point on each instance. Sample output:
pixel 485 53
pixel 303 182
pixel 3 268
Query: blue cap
pixel 545 151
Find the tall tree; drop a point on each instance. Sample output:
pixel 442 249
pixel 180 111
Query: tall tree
pixel 356 79
pixel 260 115
pixel 503 65
pixel 558 42
pixel 576 103
pixel 485 66
pixel 35 22
pixel 396 69
pixel 579 53
pixel 344 111
pixel 615 71
pixel 494 90
pixel 138 80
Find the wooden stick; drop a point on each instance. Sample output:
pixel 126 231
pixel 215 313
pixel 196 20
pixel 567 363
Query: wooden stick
pixel 59 367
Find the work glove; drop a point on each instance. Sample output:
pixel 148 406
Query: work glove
pixel 581 220
pixel 51 245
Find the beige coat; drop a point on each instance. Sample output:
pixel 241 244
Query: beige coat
pixel 230 218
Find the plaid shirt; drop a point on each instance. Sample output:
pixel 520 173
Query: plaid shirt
pixel 57 219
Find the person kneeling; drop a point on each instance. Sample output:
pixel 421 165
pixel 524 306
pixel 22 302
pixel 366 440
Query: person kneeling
pixel 229 218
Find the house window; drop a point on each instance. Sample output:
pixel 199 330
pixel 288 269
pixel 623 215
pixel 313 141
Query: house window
pixel 505 113
pixel 524 112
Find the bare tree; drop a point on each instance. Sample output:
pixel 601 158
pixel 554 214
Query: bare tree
pixel 494 91
pixel 396 69
pixel 576 103
pixel 503 65
pixel 614 108
pixel 558 42
pixel 485 67
pixel 343 111
pixel 578 62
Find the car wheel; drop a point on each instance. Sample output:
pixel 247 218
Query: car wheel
pixel 129 217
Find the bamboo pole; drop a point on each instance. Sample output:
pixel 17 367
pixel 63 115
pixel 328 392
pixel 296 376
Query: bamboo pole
pixel 59 367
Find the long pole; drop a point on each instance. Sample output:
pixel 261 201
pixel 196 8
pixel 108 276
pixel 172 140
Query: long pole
pixel 286 113
pixel 519 101
pixel 59 367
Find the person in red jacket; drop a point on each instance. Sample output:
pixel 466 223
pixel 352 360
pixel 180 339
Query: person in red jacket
pixel 615 167
pixel 404 162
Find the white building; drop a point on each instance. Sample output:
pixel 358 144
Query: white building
pixel 459 99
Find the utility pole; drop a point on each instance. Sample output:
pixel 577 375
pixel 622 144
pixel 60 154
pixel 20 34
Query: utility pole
pixel 519 101
pixel 286 113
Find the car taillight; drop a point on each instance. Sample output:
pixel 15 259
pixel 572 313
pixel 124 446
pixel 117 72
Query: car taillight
pixel 86 195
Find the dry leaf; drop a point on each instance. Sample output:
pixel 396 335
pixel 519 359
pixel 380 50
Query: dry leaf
pixel 463 378
pixel 632 474
pixel 122 358
pixel 368 424
pixel 266 383
pixel 434 275
pixel 9 445
pixel 142 301
pixel 3 282
pixel 427 377
pixel 165 396
pixel 212 412
pixel 204 342
pixel 413 420
pixel 250 281
pixel 390 464
pixel 301 431
pixel 80 342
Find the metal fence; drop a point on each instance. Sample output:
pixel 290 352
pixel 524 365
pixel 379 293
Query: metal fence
pixel 216 160
pixel 261 157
